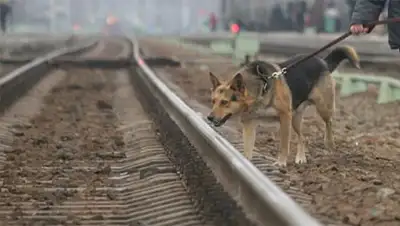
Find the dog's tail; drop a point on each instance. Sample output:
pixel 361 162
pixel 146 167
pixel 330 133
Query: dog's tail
pixel 339 54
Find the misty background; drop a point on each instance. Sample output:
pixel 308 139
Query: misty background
pixel 173 16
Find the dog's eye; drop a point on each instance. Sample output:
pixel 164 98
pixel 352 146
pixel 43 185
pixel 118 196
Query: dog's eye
pixel 224 102
pixel 233 98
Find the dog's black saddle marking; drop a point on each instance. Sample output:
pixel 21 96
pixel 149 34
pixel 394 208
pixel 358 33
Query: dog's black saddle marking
pixel 303 77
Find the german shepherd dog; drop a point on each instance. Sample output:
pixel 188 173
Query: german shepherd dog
pixel 255 96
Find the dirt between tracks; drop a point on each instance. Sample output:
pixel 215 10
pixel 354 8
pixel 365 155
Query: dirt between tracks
pixel 6 68
pixel 75 122
pixel 359 182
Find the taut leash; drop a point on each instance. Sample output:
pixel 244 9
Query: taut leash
pixel 334 42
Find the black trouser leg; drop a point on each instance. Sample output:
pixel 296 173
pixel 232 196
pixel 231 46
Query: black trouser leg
pixel 4 11
pixel 3 18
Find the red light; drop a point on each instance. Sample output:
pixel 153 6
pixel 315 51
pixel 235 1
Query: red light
pixel 202 12
pixel 111 20
pixel 141 62
pixel 235 28
pixel 76 27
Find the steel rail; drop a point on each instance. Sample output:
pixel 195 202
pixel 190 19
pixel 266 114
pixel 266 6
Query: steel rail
pixel 16 83
pixel 123 60
pixel 69 42
pixel 263 201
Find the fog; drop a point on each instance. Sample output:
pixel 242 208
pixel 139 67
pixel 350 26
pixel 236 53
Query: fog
pixel 165 16
pixel 170 16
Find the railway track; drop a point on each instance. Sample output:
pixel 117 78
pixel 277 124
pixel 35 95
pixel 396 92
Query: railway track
pixel 110 144
pixel 21 52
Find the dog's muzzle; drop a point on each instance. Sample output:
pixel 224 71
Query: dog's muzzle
pixel 218 122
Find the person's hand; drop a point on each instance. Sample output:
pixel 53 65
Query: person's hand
pixel 357 29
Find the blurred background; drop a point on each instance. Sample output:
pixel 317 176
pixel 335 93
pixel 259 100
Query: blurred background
pixel 181 16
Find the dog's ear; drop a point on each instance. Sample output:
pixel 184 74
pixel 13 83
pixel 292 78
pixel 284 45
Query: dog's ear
pixel 237 83
pixel 214 81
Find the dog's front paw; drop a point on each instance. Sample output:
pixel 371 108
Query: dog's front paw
pixel 280 163
pixel 300 158
pixel 330 145
pixel 248 156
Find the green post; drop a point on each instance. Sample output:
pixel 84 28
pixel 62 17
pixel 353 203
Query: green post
pixel 385 93
pixel 329 24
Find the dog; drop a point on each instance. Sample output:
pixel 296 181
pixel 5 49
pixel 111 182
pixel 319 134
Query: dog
pixel 260 92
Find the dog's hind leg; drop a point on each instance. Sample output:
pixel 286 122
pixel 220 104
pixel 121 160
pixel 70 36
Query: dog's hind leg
pixel 249 138
pixel 323 97
pixel 297 122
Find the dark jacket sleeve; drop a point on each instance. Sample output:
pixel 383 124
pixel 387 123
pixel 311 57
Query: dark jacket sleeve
pixel 367 11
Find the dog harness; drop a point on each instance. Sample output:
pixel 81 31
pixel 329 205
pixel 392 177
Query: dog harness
pixel 267 78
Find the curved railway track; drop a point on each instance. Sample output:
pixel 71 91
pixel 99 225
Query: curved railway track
pixel 22 52
pixel 107 146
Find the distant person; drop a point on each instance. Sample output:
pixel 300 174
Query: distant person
pixel 366 11
pixel 317 15
pixel 5 10
pixel 213 22
pixel 300 16
pixel 291 16
pixel 277 22
pixel 331 18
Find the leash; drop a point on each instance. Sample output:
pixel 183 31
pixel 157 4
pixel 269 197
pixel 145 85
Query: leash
pixel 370 25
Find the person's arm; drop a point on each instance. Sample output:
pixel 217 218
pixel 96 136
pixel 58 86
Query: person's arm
pixel 365 11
